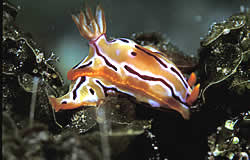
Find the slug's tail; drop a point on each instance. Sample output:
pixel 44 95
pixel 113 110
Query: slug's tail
pixel 91 27
pixel 195 92
pixel 58 104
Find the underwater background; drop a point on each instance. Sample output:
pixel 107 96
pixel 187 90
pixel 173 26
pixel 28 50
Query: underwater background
pixel 182 22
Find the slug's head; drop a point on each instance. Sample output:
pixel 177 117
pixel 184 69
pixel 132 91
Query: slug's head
pixel 91 27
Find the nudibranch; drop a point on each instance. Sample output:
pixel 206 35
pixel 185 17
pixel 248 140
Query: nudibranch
pixel 121 65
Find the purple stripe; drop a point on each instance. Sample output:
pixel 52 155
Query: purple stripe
pixel 92 91
pixel 124 40
pixel 105 59
pixel 145 77
pixel 64 102
pixel 78 85
pixel 105 89
pixel 150 54
pixel 86 65
pixel 175 71
pixel 77 65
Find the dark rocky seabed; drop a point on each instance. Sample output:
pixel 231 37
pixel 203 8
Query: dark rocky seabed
pixel 121 128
